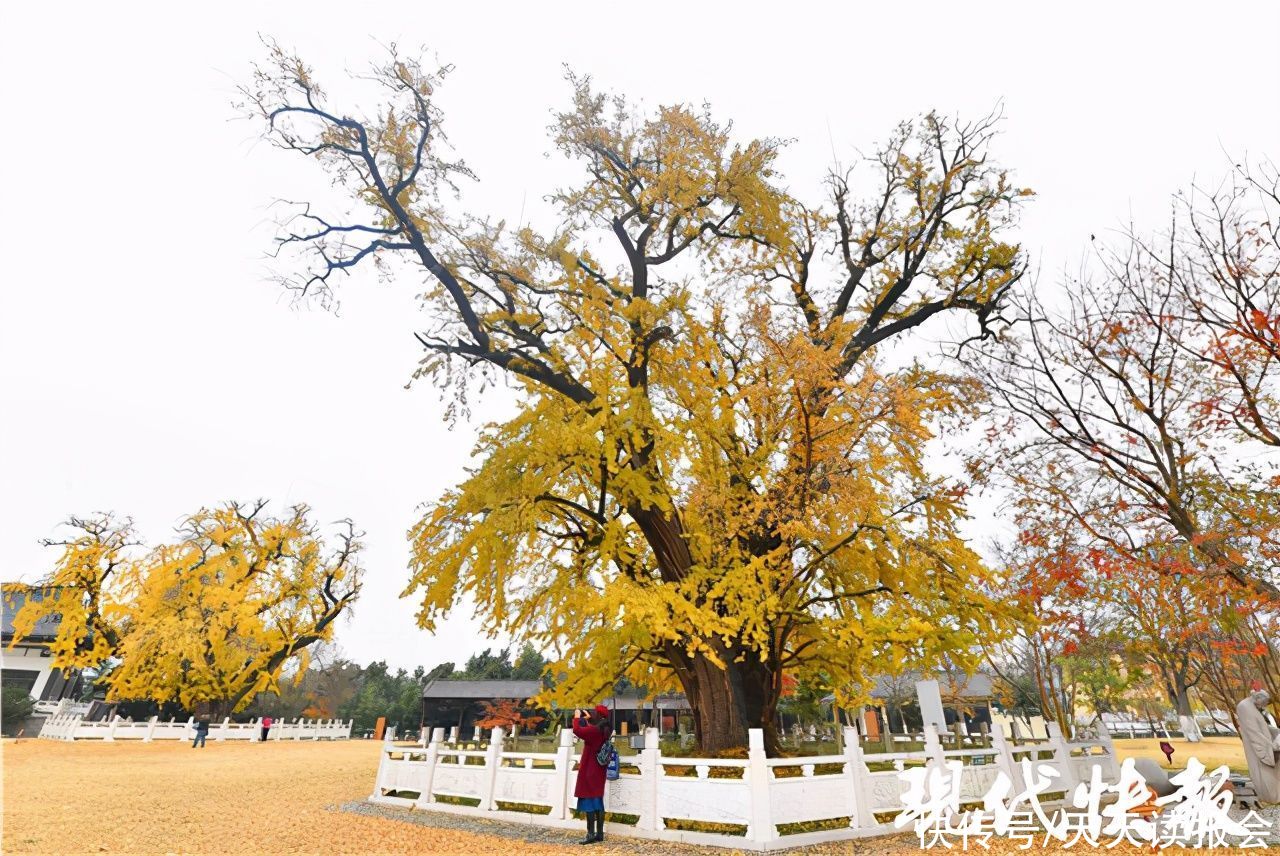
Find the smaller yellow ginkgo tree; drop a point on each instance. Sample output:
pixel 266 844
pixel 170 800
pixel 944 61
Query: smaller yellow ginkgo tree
pixel 207 621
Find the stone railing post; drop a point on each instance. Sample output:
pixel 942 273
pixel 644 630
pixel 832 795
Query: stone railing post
pixel 477 735
pixel 761 829
pixel 933 746
pixel 428 777
pixel 563 766
pixel 492 760
pixel 111 729
pixel 151 729
pixel 649 762
pixel 1061 757
pixel 297 728
pixel 1004 757
pixel 384 776
pixel 1111 770
pixel 855 775
pixel 453 734
pixel 223 730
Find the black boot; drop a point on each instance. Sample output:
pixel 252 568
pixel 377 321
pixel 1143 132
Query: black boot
pixel 599 826
pixel 591 828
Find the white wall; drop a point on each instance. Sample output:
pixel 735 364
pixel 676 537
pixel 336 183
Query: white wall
pixel 28 660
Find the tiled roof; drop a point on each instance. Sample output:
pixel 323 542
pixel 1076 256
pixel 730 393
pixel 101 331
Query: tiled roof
pixel 481 689
pixel 13 596
pixel 484 690
pixel 978 685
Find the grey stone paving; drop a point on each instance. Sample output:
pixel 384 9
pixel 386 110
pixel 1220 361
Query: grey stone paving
pixel 1271 814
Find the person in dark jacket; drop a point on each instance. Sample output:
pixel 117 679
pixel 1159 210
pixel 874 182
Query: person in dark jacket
pixel 593 729
pixel 202 731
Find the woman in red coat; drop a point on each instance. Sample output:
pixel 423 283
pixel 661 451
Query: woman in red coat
pixel 593 730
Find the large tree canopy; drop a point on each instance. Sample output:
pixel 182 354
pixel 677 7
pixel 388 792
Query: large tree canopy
pixel 209 620
pixel 715 474
pixel 1132 429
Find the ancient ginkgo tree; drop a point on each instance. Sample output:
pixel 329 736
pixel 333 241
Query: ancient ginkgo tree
pixel 714 475
pixel 207 621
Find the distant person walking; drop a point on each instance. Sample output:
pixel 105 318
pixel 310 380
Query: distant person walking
pixel 266 727
pixel 202 731
pixel 593 729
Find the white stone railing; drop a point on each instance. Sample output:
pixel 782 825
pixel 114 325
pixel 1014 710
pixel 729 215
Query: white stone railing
pixel 759 796
pixel 309 729
pixel 61 706
pixel 71 726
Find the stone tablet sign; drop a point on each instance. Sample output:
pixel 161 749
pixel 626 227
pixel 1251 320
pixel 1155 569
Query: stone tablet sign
pixel 930 696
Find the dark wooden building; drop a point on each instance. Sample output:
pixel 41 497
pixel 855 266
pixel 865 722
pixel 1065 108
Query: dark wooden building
pixel 460 703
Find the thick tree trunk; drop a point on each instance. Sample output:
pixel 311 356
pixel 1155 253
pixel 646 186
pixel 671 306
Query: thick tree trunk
pixel 728 701
pixel 1180 697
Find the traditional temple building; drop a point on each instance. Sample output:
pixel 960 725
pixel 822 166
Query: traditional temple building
pixel 28 664
pixel 966 704
pixel 449 703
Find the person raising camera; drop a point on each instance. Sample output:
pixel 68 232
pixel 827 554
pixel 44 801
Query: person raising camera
pixel 593 728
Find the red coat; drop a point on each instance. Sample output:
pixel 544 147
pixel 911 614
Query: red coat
pixel 590 773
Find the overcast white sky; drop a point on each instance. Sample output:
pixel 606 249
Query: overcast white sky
pixel 148 365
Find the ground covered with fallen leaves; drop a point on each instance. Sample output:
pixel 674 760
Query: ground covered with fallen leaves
pixel 286 797
pixel 1213 752
pixel 93 797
